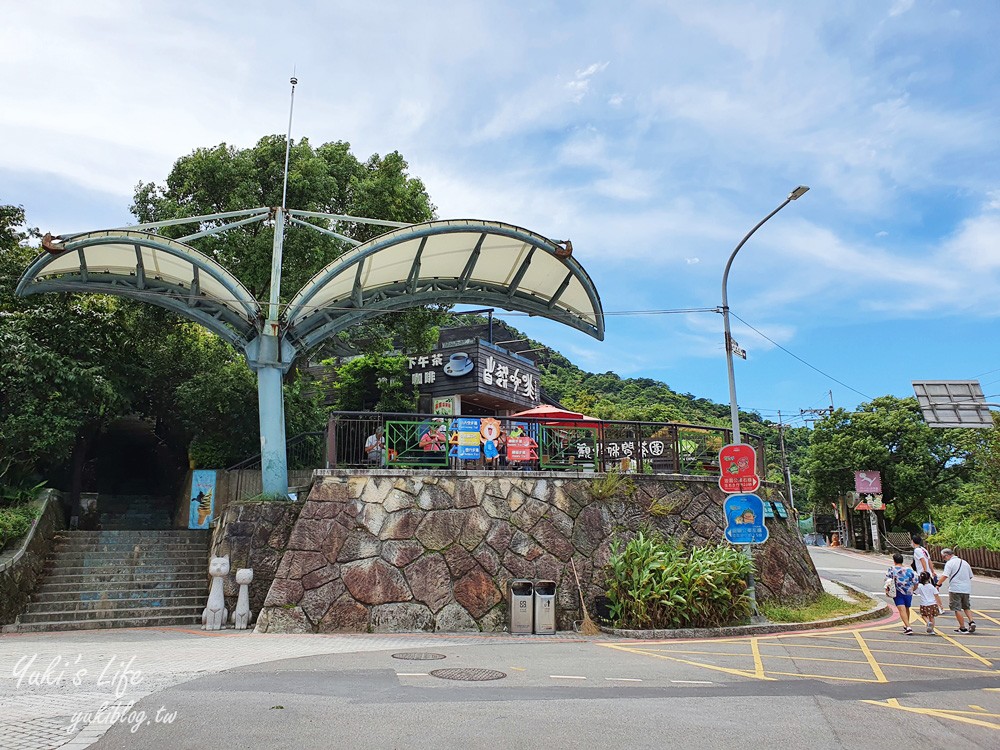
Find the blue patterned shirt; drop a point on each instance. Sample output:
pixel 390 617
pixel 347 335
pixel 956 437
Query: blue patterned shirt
pixel 905 578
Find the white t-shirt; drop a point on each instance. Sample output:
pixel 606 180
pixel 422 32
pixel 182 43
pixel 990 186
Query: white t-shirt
pixel 920 557
pixel 959 574
pixel 927 594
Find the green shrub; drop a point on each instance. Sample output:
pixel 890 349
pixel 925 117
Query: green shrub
pixel 656 583
pixel 969 535
pixel 15 521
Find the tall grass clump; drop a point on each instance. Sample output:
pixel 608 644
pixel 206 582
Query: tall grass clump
pixel 656 583
pixel 969 535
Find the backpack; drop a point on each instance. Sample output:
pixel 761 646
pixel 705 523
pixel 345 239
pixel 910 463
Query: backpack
pixel 890 584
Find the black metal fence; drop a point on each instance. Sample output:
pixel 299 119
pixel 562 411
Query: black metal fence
pixel 370 440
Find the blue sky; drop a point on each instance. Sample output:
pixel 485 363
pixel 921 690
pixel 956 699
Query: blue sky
pixel 653 134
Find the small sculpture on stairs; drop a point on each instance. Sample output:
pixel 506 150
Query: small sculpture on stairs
pixel 215 615
pixel 242 615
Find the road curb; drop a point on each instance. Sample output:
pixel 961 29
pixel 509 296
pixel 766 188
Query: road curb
pixel 877 611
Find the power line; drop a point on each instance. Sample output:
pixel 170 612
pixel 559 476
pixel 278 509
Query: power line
pixel 796 356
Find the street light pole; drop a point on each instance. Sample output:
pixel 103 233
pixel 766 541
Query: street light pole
pixel 733 408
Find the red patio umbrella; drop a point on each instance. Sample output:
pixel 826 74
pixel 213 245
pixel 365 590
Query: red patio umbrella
pixel 553 415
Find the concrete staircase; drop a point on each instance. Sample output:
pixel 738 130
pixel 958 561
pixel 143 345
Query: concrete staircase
pixel 135 512
pixel 126 578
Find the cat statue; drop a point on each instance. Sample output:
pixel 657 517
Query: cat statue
pixel 215 615
pixel 241 615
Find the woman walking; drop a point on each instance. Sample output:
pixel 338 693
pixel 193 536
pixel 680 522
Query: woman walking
pixel 899 585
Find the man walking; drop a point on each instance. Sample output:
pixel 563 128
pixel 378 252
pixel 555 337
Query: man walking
pixel 958 573
pixel 922 558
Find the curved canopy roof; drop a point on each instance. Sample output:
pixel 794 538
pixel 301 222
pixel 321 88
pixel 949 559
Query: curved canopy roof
pixel 149 268
pixel 447 262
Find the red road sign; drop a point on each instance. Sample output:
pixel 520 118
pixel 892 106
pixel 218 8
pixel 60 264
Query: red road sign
pixel 738 467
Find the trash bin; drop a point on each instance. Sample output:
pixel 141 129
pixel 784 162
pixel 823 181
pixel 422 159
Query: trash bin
pixel 545 607
pixel 521 606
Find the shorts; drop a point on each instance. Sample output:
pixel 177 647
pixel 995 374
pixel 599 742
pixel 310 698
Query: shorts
pixel 958 601
pixel 903 600
pixel 929 610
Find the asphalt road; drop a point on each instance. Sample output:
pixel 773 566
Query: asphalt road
pixel 854 687
pixel 867 573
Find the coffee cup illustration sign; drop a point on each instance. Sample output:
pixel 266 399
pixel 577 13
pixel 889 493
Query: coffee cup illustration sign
pixel 459 364
pixel 738 469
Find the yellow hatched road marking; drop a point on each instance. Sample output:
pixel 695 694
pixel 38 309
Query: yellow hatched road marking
pixel 758 665
pixel 823 676
pixel 983 614
pixel 940 714
pixel 874 651
pixel 970 652
pixel 879 675
pixel 940 669
pixel 814 658
pixel 727 670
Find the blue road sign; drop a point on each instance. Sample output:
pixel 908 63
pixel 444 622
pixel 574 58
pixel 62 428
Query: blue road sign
pixel 745 520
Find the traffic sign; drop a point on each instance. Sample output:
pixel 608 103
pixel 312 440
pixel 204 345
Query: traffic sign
pixel 745 520
pixel 738 467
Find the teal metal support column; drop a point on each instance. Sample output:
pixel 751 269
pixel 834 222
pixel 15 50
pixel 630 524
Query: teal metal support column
pixel 273 457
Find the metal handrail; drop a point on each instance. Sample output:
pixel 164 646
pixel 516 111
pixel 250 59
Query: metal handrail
pixel 254 461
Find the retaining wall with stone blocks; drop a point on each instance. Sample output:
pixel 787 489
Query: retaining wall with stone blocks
pixel 22 563
pixel 397 550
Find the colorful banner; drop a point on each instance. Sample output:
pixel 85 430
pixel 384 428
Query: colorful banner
pixel 465 440
pixel 738 467
pixel 202 506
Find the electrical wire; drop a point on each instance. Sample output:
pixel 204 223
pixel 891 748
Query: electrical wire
pixel 796 356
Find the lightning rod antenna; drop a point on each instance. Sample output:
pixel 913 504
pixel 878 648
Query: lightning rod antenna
pixel 288 144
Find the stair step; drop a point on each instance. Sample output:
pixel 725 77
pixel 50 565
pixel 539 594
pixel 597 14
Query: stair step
pixel 124 548
pixel 151 583
pixel 70 596
pixel 122 566
pixel 166 603
pixel 111 614
pixel 139 622
pixel 127 535
pixel 149 556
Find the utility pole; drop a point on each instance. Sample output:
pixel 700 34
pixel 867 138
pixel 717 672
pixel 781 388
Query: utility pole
pixel 785 470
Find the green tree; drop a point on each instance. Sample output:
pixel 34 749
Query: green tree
pixel 922 467
pixel 978 501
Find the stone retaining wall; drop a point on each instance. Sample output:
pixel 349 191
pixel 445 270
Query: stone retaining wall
pixel 254 534
pixel 23 562
pixel 383 551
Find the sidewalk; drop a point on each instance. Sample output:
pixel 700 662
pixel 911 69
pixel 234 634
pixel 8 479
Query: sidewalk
pixel 67 689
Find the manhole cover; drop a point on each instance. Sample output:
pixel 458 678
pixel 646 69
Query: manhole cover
pixel 418 656
pixel 468 675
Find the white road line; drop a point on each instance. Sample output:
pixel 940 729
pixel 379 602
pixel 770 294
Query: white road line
pixel 692 682
pixel 566 677
pixel 623 679
pixel 412 674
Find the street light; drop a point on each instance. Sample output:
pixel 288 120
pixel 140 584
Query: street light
pixel 733 408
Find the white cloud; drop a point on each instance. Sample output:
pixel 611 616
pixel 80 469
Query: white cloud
pixel 900 7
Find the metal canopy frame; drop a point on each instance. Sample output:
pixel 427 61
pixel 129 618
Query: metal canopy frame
pixel 128 271
pixel 310 324
pixel 474 262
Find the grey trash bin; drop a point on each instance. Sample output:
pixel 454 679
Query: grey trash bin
pixel 545 607
pixel 521 605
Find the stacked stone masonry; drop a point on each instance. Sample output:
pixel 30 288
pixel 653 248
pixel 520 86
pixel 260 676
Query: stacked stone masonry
pixel 385 551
